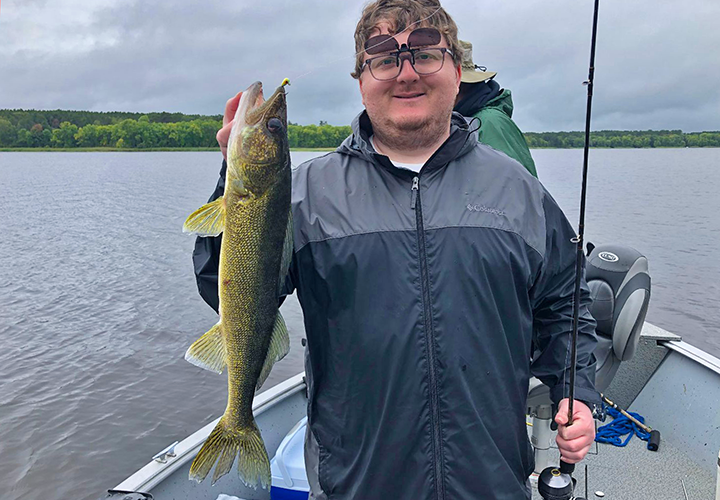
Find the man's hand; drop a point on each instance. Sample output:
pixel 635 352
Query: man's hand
pixel 223 134
pixel 574 441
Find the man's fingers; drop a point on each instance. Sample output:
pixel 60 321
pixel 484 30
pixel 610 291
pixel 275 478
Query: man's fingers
pixel 574 441
pixel 231 107
pixel 580 412
pixel 574 457
pixel 223 136
pixel 561 418
pixel 574 450
pixel 575 444
pixel 577 429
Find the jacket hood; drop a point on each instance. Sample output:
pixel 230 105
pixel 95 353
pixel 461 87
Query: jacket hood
pixel 476 96
pixel 503 102
pixel 462 139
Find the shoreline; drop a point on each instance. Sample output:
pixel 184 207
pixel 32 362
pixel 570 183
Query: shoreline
pixel 319 150
pixel 128 150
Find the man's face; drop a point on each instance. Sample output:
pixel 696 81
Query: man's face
pixel 409 102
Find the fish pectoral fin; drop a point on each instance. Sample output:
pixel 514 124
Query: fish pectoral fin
pixel 279 347
pixel 222 446
pixel 238 187
pixel 208 351
pixel 208 220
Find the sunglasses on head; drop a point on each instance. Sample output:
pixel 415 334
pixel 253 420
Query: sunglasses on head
pixel 425 58
pixel 420 37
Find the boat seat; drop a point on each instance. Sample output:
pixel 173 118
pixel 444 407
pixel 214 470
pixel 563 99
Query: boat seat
pixel 619 285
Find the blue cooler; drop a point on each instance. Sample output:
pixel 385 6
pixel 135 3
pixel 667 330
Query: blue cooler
pixel 289 480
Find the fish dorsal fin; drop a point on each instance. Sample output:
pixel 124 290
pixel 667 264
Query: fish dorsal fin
pixel 208 351
pixel 287 252
pixel 208 220
pixel 279 347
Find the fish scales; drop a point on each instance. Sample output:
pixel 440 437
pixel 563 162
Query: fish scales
pixel 254 217
pixel 248 287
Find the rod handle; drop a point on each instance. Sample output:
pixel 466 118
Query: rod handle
pixel 566 468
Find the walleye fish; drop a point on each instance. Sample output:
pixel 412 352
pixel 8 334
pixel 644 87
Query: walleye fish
pixel 254 217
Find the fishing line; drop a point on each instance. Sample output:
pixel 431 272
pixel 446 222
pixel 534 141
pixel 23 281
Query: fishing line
pixel 344 58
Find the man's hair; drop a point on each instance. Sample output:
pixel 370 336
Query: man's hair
pixel 400 14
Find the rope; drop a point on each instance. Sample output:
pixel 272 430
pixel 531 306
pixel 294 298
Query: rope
pixel 621 425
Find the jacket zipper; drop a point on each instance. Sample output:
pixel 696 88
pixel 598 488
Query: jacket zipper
pixel 415 189
pixel 429 343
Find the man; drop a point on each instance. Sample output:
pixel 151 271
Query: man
pixel 481 97
pixel 426 265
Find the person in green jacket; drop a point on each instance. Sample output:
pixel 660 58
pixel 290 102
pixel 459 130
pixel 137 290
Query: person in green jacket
pixel 481 97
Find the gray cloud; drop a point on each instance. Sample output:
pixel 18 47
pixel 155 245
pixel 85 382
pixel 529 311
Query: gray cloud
pixel 657 66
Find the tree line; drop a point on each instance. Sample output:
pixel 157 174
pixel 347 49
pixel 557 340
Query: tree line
pixel 624 139
pixel 89 129
pixel 86 129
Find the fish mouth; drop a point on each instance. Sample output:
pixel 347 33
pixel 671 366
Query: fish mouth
pixel 259 132
pixel 253 107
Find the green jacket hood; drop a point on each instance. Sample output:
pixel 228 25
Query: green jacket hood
pixel 503 102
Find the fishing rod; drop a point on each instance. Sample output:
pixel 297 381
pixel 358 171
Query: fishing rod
pixel 579 240
pixel 558 483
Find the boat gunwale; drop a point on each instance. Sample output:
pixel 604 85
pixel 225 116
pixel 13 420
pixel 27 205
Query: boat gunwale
pixel 154 472
pixel 694 353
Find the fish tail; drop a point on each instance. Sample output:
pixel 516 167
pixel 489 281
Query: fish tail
pixel 223 445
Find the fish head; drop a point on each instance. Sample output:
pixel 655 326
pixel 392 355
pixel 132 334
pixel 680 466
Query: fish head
pixel 258 146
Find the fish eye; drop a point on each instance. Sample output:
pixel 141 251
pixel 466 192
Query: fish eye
pixel 274 125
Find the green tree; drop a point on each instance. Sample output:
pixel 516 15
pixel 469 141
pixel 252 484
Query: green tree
pixel 38 138
pixel 87 136
pixel 8 133
pixel 127 130
pixel 24 139
pixel 710 139
pixel 670 141
pixel 64 137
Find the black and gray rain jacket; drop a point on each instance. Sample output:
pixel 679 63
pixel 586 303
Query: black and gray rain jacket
pixel 422 296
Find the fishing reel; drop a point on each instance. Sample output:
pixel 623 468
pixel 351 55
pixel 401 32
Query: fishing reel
pixel 557 483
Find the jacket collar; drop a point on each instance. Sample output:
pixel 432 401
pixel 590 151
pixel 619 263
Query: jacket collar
pixel 462 139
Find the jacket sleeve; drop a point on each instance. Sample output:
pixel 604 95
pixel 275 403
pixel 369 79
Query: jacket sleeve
pixel 498 131
pixel 552 300
pixel 206 259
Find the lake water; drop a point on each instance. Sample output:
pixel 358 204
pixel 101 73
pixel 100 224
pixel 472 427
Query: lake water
pixel 98 300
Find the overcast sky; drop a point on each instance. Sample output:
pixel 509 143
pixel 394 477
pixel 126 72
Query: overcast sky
pixel 658 61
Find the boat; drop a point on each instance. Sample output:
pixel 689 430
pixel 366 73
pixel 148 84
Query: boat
pixel 674 385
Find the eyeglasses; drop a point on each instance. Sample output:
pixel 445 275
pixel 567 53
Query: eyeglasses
pixel 425 61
